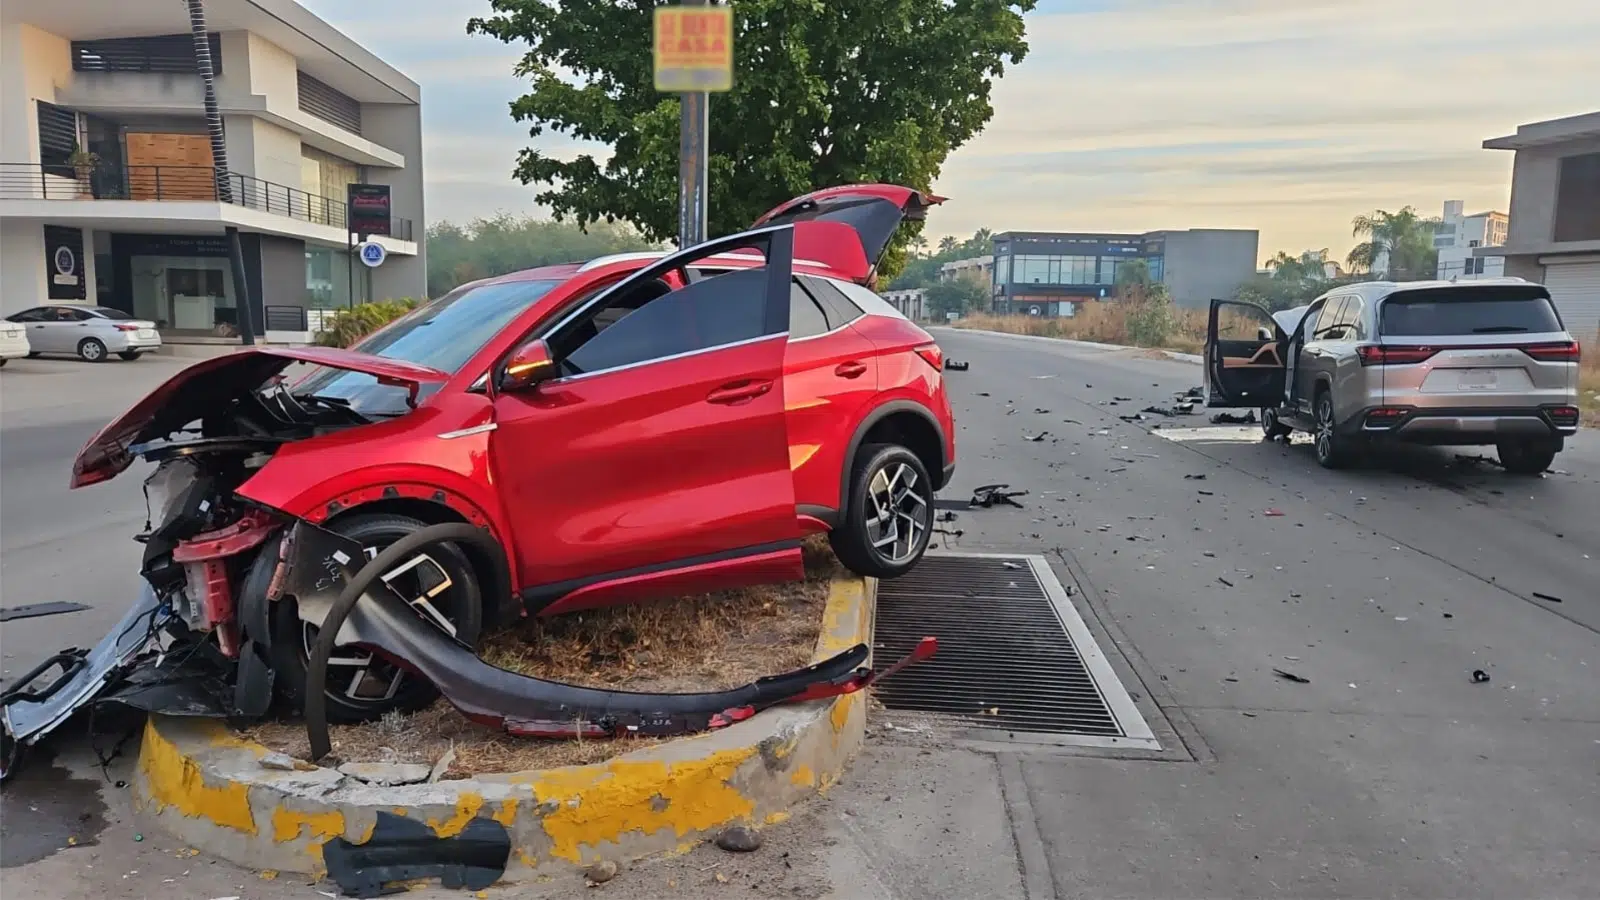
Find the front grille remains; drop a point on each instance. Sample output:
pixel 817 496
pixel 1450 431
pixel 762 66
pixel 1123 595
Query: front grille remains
pixel 1014 656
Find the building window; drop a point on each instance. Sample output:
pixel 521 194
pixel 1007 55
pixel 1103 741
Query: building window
pixel 58 135
pixel 1108 270
pixel 328 277
pixel 1002 270
pixel 329 104
pixel 1578 199
pixel 1473 243
pixel 169 54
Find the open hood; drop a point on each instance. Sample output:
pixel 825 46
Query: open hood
pixel 871 211
pixel 208 386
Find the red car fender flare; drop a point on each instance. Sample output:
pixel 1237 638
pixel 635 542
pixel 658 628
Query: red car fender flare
pixel 873 417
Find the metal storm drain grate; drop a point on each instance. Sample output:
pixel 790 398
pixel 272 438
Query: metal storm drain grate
pixel 1014 656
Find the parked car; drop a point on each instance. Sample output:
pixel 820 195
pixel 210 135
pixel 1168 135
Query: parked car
pixel 1442 363
pixel 638 426
pixel 13 342
pixel 87 332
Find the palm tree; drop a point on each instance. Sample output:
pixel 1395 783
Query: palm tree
pixel 1398 244
pixel 948 244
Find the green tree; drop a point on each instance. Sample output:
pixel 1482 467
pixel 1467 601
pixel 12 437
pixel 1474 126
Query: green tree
pixel 921 269
pixel 1397 245
pixel 825 93
pixel 505 243
pixel 958 295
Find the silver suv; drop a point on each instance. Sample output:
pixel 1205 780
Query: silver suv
pixel 1425 362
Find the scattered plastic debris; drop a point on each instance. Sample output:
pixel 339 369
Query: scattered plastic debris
pixel 991 495
pixel 1035 438
pixel 402 849
pixel 1290 676
pixel 1227 418
pixel 1274 512
pixel 953 366
pixel 1546 597
pixel 1479 676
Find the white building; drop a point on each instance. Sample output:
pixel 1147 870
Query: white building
pixel 140 225
pixel 978 268
pixel 1457 237
pixel 912 303
pixel 1555 214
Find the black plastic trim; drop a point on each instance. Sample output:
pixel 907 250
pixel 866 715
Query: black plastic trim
pixel 541 596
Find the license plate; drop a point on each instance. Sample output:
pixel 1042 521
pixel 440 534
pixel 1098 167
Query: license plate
pixel 12 333
pixel 1477 380
pixel 147 332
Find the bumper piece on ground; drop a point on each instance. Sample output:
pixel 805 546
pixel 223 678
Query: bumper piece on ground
pixel 402 850
pixel 321 564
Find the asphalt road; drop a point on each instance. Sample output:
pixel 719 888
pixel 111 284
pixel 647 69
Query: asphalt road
pixel 1389 774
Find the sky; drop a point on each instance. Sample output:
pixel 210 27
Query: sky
pixel 1287 116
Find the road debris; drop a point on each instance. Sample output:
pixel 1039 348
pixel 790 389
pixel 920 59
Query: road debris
pixel 738 839
pixel 36 610
pixel 441 765
pixel 1225 581
pixel 953 366
pixel 1290 676
pixel 1228 418
pixel 1546 597
pixel 402 849
pixel 1195 477
pixel 1035 438
pixel 1273 512
pixel 1479 676
pixel 991 495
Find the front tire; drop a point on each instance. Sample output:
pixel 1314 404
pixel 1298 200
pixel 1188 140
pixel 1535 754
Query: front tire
pixel 889 519
pixel 91 350
pixel 443 584
pixel 1271 428
pixel 1527 457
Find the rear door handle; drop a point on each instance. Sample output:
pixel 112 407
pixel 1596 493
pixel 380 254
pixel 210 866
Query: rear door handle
pixel 739 392
pixel 851 369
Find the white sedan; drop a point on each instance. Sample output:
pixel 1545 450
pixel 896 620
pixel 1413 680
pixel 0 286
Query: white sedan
pixel 90 333
pixel 13 342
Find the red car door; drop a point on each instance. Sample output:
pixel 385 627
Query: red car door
pixel 656 462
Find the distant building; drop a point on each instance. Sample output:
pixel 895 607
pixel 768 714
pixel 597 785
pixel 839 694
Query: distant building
pixel 1554 236
pixel 1457 237
pixel 1050 274
pixel 912 303
pixel 980 268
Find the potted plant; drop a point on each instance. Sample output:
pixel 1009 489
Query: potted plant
pixel 83 164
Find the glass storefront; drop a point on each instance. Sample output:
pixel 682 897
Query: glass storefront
pixel 328 276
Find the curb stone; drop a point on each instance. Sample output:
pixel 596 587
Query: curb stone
pixel 1089 345
pixel 206 786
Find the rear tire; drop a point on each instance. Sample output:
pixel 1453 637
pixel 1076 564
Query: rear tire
pixel 91 350
pixel 1527 457
pixel 1333 449
pixel 889 519
pixel 130 355
pixel 461 603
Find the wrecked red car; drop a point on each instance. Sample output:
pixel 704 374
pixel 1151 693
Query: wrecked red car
pixel 635 427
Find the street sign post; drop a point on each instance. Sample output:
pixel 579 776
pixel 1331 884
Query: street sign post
pixel 693 50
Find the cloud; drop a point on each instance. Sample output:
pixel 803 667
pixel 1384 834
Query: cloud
pixel 1290 116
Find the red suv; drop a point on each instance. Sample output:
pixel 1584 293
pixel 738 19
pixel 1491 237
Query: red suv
pixel 634 427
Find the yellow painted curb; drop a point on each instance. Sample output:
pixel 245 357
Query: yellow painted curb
pixel 207 787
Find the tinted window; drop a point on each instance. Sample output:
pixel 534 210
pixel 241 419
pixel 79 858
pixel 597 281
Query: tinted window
pixel 443 334
pixel 1472 311
pixel 838 307
pixel 806 318
pixel 1330 320
pixel 709 313
pixel 37 314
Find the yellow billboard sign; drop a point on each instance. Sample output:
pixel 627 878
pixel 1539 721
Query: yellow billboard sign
pixel 693 48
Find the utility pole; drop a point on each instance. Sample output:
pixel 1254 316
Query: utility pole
pixel 694 127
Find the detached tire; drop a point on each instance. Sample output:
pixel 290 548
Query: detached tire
pixel 891 497
pixel 461 604
pixel 1527 457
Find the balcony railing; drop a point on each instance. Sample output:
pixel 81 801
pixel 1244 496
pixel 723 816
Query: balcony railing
pixel 32 181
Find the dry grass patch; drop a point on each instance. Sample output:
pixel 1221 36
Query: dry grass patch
pixel 1589 383
pixel 1103 322
pixel 705 643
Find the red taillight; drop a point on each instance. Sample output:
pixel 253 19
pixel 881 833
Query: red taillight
pixel 1563 416
pixel 932 355
pixel 1385 416
pixel 1559 351
pixel 127 328
pixel 1386 355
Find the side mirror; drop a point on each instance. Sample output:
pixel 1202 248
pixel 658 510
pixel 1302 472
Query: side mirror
pixel 1263 333
pixel 529 365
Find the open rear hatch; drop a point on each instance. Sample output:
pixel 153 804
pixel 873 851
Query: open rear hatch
pixel 826 220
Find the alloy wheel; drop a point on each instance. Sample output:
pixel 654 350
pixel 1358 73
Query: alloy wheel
pixel 895 513
pixel 1325 427
pixel 356 675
